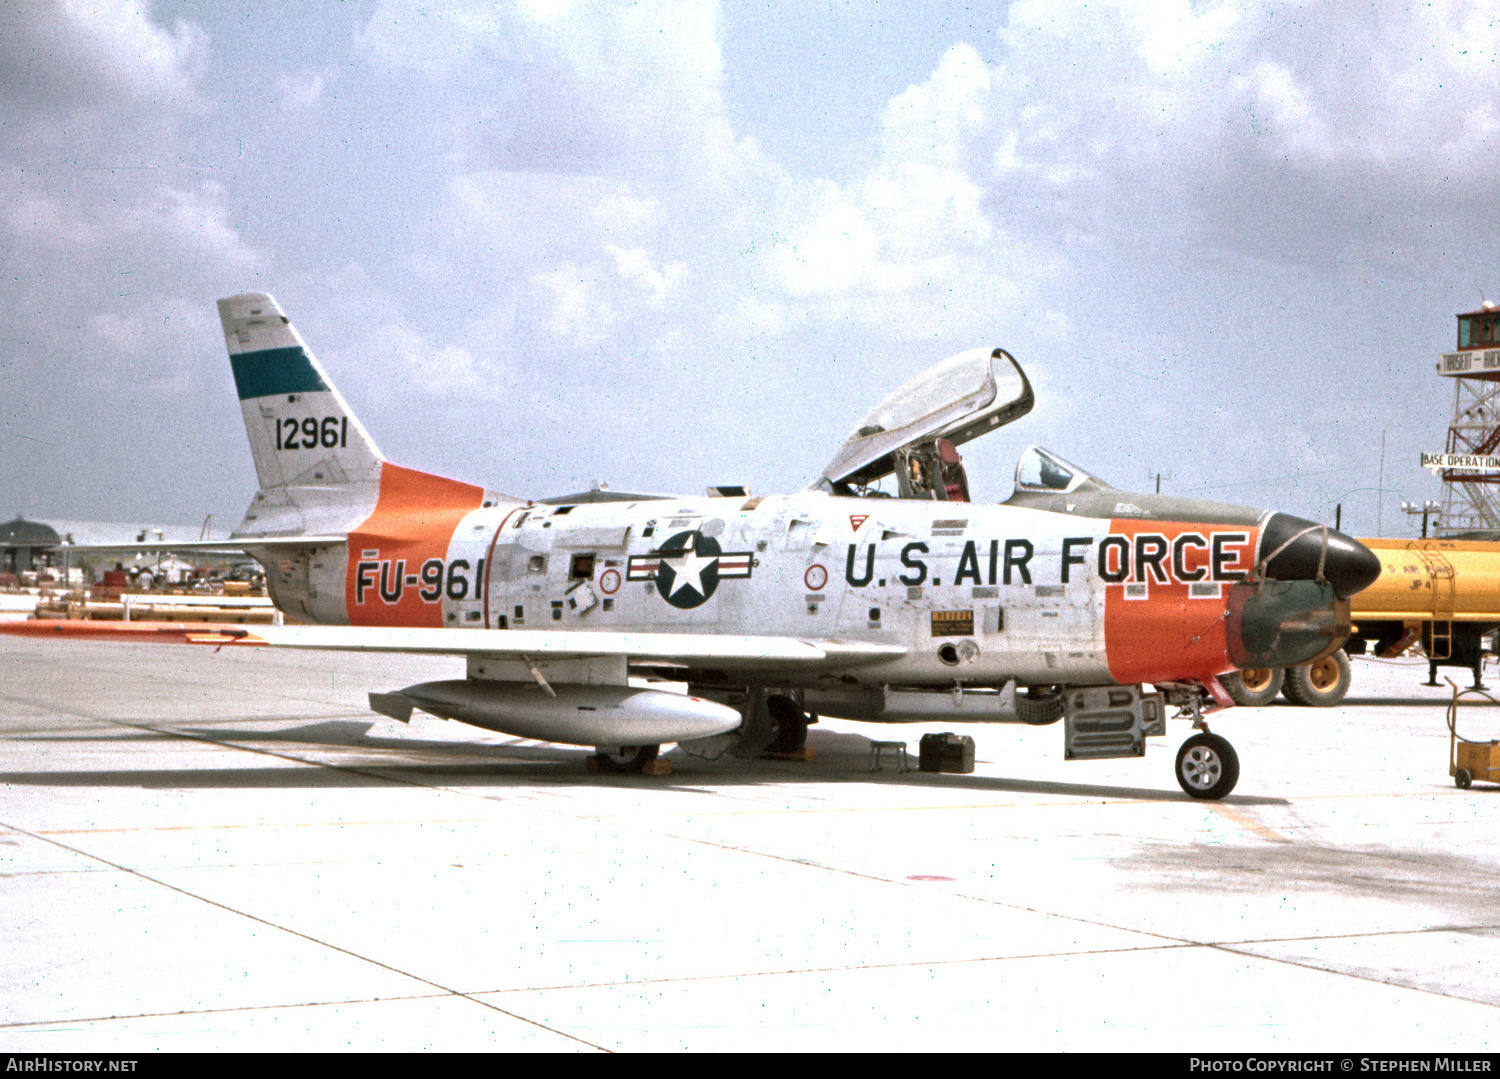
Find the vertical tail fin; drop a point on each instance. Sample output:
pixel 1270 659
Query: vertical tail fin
pixel 331 510
pixel 302 431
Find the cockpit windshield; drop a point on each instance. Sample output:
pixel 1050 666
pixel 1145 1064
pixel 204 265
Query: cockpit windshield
pixel 1043 471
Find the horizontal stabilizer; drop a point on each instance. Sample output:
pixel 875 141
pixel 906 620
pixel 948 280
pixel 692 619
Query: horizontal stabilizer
pixel 225 546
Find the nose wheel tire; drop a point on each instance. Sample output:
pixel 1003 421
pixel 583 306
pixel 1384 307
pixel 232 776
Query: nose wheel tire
pixel 1207 766
pixel 1253 687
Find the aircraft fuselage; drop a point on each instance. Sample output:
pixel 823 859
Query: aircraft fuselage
pixel 976 593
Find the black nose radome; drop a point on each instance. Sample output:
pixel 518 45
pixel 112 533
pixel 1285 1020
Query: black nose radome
pixel 1293 549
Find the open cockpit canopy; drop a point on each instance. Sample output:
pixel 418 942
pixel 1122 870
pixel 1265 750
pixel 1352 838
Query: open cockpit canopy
pixel 959 399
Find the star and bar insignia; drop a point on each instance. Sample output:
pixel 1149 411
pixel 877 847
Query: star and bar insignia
pixel 688 567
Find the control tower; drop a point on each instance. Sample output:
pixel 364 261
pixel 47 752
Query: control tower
pixel 1470 468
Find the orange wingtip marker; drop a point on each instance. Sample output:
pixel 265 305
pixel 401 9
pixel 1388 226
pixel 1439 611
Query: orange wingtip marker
pixel 240 636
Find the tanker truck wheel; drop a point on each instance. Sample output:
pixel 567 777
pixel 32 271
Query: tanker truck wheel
pixel 1256 686
pixel 1320 684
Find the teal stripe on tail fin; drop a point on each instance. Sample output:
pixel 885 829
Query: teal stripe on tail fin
pixel 302 432
pixel 273 371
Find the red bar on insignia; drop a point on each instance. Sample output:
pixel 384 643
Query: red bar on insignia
pixel 641 568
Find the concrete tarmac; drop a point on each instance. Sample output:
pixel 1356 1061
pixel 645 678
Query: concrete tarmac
pixel 227 851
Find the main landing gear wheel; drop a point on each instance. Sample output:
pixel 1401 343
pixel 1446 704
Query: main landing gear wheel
pixel 626 758
pixel 1320 684
pixel 1254 687
pixel 1207 766
pixel 790 723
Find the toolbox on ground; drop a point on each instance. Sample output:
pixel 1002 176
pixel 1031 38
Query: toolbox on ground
pixel 946 752
pixel 1469 761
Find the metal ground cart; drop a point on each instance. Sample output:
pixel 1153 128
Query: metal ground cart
pixel 1469 760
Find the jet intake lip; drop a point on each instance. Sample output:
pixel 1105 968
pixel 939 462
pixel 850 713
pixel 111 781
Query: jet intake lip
pixel 1284 623
pixel 1296 547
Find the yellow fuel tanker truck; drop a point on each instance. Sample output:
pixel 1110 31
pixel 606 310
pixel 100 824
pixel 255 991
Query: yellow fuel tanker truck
pixel 1441 593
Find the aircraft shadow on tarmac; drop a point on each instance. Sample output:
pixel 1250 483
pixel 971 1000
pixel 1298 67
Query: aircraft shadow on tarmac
pixel 1463 887
pixel 841 757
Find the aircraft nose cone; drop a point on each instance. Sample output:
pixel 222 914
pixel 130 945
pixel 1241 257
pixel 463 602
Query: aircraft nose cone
pixel 1297 547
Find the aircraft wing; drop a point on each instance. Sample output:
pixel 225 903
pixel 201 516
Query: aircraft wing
pixel 675 648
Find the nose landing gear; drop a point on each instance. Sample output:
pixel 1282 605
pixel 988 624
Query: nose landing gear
pixel 1207 766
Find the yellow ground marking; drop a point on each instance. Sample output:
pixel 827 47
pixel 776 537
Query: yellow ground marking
pixel 1249 823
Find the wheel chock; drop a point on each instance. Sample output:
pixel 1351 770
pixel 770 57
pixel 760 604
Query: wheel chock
pixel 657 767
pixel 806 753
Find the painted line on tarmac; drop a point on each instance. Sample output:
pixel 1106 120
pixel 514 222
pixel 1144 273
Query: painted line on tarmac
pixel 447 990
pixel 1249 823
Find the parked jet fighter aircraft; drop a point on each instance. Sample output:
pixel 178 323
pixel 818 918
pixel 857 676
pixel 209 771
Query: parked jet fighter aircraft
pixel 1070 601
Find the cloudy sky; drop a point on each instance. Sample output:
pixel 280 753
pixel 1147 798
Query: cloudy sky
pixel 543 243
